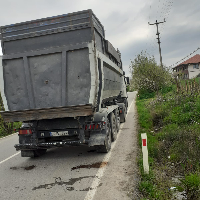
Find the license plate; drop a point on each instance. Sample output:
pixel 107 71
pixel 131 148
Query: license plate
pixel 60 133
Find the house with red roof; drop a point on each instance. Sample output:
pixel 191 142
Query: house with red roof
pixel 188 69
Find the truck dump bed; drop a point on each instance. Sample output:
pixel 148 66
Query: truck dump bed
pixel 51 63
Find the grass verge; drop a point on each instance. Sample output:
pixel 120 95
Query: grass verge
pixel 172 124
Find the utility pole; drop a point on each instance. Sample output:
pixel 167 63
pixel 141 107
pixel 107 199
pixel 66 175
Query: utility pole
pixel 158 39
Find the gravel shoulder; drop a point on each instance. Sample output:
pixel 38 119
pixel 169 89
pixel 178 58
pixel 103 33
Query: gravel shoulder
pixel 121 176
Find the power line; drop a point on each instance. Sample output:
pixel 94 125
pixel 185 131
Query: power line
pixel 185 57
pixel 163 11
pixel 157 23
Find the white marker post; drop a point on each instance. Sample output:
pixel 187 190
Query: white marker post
pixel 145 153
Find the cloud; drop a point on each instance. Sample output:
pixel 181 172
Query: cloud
pixel 125 22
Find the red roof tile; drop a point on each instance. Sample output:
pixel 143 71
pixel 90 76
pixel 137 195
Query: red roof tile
pixel 193 60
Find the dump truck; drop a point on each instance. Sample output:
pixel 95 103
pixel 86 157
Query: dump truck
pixel 64 81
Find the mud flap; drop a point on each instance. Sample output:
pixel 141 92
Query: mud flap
pixel 96 139
pixel 27 153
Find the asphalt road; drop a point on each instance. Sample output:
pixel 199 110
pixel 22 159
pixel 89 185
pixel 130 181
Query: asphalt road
pixel 72 173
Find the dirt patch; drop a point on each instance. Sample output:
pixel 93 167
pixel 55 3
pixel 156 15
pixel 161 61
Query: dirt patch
pixel 89 188
pixel 25 168
pixel 94 165
pixel 29 167
pixel 13 168
pixel 124 128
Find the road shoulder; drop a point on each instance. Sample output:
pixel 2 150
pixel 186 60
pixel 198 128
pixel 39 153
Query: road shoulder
pixel 121 176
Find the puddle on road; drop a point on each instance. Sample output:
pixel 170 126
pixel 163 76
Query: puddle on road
pixel 72 181
pixel 94 165
pixel 25 168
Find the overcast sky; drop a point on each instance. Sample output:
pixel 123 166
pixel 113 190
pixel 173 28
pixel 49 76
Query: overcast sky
pixel 125 22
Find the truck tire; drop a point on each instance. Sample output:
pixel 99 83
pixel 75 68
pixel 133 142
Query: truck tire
pixel 117 119
pixel 107 143
pixel 126 104
pixel 123 114
pixel 113 123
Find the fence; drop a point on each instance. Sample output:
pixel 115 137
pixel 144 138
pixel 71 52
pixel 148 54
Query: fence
pixel 188 86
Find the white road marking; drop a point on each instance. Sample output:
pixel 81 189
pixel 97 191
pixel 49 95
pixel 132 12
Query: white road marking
pixel 91 193
pixel 8 136
pixel 9 157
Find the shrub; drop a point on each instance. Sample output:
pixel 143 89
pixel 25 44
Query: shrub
pixel 145 94
pixel 148 77
pixel 5 127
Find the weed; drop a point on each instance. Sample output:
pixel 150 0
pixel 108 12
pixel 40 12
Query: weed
pixel 191 185
pixel 146 94
pixel 144 118
pixel 173 146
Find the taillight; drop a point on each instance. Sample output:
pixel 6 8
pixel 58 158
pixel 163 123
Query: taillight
pixel 25 131
pixel 92 126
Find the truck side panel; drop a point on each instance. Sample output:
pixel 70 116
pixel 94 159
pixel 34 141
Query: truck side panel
pixel 112 82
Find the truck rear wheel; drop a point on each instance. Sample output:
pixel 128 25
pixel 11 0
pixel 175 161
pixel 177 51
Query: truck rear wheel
pixel 118 120
pixel 113 123
pixel 126 106
pixel 107 143
pixel 123 114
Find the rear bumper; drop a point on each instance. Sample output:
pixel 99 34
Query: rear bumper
pixel 48 145
pixel 94 140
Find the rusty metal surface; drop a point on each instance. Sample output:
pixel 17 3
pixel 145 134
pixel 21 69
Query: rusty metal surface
pixel 47 113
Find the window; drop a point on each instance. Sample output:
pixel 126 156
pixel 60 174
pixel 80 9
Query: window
pixel 195 66
pixel 185 76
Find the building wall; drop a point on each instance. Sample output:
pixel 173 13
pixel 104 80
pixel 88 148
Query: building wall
pixel 181 70
pixel 193 72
